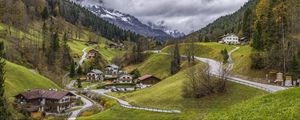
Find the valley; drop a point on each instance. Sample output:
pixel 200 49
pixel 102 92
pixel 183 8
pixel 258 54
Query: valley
pixel 81 60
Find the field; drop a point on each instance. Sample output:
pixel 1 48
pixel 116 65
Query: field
pixel 207 50
pixel 282 105
pixel 242 64
pixel 20 79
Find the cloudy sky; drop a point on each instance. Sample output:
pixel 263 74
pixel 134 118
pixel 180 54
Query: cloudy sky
pixel 182 15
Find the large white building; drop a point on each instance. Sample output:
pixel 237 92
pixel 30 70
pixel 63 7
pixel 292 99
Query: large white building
pixel 230 39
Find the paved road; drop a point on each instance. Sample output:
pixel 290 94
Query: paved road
pixel 125 104
pixel 215 68
pixel 87 103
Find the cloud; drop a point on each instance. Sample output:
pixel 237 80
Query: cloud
pixel 183 15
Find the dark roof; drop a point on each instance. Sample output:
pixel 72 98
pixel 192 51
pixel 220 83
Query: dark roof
pixel 43 93
pixel 145 77
pixel 93 50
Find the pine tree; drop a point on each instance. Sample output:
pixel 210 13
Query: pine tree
pixel 45 14
pixel 257 38
pixel 175 63
pixel 247 21
pixel 72 69
pixel 66 57
pixel 225 55
pixel 55 42
pixel 294 67
pixel 44 31
pixel 4 114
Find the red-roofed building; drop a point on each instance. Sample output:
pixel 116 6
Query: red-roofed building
pixel 148 80
pixel 43 100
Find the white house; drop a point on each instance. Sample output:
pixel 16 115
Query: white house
pixel 125 79
pixel 95 74
pixel 230 39
pixel 112 70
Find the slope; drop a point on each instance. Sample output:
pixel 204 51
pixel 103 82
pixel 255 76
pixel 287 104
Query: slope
pixel 167 95
pixel 283 105
pixel 207 50
pixel 20 79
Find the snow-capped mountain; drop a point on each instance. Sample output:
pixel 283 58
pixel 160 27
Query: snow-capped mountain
pixel 122 20
pixel 161 26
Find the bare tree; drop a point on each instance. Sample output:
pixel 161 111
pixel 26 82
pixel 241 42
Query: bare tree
pixel 201 82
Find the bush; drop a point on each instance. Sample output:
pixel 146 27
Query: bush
pixel 257 61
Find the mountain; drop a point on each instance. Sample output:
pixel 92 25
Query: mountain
pixel 161 26
pixel 126 21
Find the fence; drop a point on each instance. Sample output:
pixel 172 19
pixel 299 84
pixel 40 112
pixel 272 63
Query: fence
pixel 127 105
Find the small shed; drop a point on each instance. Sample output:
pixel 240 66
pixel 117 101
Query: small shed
pixel 148 80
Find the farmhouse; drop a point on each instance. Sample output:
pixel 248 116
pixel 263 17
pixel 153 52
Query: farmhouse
pixel 93 42
pixel 95 74
pixel 125 79
pixel 92 53
pixel 112 70
pixel 148 80
pixel 230 39
pixel 42 100
pixel 115 46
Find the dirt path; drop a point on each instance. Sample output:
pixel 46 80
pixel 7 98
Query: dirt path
pixel 87 103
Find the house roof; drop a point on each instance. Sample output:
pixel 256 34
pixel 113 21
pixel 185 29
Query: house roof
pixel 126 75
pixel 97 71
pixel 145 77
pixel 230 34
pixel 113 66
pixel 93 50
pixel 43 93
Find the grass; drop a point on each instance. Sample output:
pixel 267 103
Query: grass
pixel 109 54
pixel 77 47
pixel 207 50
pixel 167 95
pixel 242 63
pixel 19 79
pixel 157 65
pixel 282 105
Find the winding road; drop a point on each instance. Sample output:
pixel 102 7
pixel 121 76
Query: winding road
pixel 216 69
pixel 87 103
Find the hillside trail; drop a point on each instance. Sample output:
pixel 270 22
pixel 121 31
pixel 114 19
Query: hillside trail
pixel 87 103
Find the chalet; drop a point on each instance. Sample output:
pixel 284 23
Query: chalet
pixel 92 53
pixel 148 80
pixel 92 42
pixel 115 46
pixel 125 79
pixel 95 74
pixel 42 100
pixel 112 70
pixel 230 39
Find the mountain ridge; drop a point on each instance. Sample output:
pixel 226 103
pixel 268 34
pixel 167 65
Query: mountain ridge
pixel 127 21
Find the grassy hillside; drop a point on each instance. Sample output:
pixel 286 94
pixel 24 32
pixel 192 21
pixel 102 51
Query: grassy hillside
pixel 282 105
pixel 157 65
pixel 19 79
pixel 167 95
pixel 242 64
pixel 207 50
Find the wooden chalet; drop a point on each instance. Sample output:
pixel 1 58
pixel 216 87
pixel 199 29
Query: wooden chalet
pixel 148 80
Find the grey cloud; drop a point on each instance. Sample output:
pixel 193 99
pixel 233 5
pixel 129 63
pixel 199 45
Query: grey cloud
pixel 183 15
